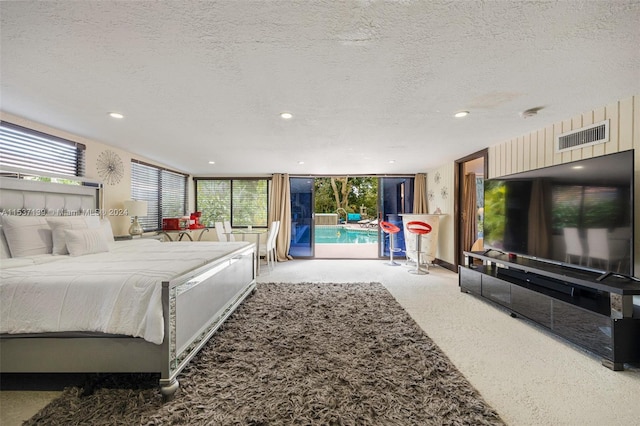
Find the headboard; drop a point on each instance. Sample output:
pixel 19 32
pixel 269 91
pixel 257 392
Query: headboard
pixel 36 198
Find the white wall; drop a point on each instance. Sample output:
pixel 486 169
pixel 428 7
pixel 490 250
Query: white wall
pixel 441 195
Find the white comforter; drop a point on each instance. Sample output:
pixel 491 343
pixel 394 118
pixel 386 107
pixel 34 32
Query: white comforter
pixel 117 292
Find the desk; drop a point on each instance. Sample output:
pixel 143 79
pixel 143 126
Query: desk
pixel 257 233
pixel 181 233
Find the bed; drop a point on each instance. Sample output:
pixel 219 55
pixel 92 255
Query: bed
pixel 137 306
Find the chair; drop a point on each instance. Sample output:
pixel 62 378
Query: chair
pixel 228 229
pixel 391 230
pixel 602 246
pixel 419 229
pixel 573 245
pixel 220 232
pixel 268 250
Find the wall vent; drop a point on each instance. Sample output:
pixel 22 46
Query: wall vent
pixel 590 135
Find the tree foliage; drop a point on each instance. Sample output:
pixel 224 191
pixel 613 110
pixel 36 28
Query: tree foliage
pixel 349 193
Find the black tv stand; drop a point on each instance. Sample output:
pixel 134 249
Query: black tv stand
pixel 590 309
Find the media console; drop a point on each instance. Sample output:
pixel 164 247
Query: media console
pixel 592 310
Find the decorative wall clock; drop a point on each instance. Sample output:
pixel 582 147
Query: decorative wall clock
pixel 110 167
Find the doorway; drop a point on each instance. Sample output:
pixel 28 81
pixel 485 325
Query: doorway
pixel 471 171
pixel 337 217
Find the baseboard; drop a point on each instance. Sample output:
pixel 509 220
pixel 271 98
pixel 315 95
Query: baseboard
pixel 445 265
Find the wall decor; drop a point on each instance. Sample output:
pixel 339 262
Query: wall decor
pixel 436 178
pixel 110 167
pixel 431 195
pixel 444 192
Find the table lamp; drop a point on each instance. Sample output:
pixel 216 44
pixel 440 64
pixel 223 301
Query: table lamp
pixel 136 208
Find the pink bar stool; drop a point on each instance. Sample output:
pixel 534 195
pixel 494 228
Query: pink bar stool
pixel 419 229
pixel 392 230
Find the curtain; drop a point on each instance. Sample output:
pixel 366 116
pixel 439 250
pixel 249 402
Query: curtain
pixel 420 194
pixel 538 238
pixel 280 209
pixel 469 210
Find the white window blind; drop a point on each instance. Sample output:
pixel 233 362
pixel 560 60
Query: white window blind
pixel 163 190
pixel 32 150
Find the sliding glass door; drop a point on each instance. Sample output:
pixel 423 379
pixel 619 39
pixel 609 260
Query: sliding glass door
pixel 395 197
pixel 302 217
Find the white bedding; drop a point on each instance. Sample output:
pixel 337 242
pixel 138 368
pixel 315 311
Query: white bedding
pixel 117 292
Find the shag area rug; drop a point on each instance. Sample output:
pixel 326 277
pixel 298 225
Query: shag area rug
pixel 307 354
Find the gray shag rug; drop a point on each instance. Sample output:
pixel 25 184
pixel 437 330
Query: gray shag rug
pixel 330 354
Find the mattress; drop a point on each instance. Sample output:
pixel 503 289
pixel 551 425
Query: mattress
pixel 116 292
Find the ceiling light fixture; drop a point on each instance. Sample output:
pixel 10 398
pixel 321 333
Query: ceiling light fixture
pixel 116 115
pixel 300 162
pixel 461 114
pixel 286 115
pixel 392 161
pixel 212 162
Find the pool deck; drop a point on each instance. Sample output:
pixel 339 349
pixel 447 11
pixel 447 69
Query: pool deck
pixel 346 251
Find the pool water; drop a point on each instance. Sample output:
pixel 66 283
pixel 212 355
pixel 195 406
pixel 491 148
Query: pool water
pixel 342 235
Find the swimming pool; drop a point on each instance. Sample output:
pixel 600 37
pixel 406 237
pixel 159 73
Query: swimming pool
pixel 343 235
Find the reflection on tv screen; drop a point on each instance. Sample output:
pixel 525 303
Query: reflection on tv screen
pixel 579 213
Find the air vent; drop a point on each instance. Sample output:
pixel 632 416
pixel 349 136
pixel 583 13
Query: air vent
pixel 591 135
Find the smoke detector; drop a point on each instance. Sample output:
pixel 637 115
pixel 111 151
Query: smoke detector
pixel 530 112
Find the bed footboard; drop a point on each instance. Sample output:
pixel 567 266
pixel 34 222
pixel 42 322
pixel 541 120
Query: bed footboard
pixel 197 305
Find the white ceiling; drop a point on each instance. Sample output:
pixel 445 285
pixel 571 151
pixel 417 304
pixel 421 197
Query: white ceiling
pixel 367 81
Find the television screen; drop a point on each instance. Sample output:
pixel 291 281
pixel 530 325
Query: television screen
pixel 578 213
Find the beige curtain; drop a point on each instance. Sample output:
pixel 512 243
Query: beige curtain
pixel 420 194
pixel 538 239
pixel 280 209
pixel 469 210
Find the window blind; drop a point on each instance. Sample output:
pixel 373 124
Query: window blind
pixel 32 150
pixel 162 189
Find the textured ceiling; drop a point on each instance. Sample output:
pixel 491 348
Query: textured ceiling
pixel 367 81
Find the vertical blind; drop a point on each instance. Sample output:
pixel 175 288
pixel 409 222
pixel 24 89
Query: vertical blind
pixel 163 190
pixel 32 150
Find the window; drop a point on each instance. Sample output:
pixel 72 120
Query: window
pixel 163 190
pixel 243 202
pixel 31 150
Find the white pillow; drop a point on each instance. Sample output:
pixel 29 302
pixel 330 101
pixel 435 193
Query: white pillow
pixel 105 224
pixel 86 241
pixel 27 235
pixel 4 247
pixel 60 224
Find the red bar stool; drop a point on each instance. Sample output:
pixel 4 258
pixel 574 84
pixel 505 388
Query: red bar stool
pixel 420 229
pixel 392 230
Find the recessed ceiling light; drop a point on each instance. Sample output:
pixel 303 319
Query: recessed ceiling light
pixel 461 114
pixel 392 161
pixel 300 162
pixel 115 115
pixel 578 167
pixel 286 115
pixel 212 162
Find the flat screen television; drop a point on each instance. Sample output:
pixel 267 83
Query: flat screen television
pixel 578 213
